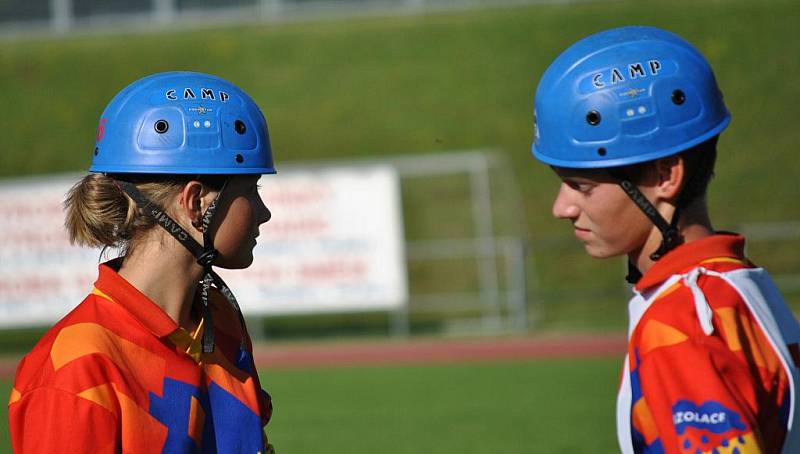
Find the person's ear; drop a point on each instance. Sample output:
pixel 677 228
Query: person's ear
pixel 191 203
pixel 670 172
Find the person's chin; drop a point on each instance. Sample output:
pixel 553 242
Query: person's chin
pixel 238 263
pixel 598 252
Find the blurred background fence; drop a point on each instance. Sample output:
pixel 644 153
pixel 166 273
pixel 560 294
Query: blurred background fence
pixel 462 269
pixel 465 246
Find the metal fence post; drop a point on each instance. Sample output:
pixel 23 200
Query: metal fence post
pixel 517 282
pixel 61 15
pixel 164 11
pixel 270 8
pixel 487 257
pixel 414 4
pixel 399 325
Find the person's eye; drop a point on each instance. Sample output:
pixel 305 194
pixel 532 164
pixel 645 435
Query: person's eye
pixel 581 187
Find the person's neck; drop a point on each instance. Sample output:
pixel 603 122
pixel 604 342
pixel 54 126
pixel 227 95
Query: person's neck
pixel 167 274
pixel 693 225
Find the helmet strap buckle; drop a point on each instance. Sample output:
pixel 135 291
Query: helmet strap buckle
pixel 671 236
pixel 671 239
pixel 207 258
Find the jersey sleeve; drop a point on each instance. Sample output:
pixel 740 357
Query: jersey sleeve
pixel 693 392
pixel 52 420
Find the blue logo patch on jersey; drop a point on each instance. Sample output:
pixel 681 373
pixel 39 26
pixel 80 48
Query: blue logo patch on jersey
pixel 711 416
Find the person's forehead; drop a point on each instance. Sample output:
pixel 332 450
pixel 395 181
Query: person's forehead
pixel 600 175
pixel 244 179
pixel 242 182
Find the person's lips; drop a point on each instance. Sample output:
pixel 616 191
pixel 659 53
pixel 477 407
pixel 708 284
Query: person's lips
pixel 581 233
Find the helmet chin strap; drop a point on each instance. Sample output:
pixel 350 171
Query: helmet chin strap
pixel 670 235
pixel 205 255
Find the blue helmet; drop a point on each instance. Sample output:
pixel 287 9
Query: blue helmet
pixel 182 123
pixel 625 96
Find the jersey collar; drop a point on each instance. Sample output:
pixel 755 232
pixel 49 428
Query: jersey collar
pixel 689 255
pixel 145 311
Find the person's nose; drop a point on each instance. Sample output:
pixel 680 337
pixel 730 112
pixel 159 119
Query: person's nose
pixel 264 215
pixel 564 206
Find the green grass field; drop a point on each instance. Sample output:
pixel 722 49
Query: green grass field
pixel 369 87
pixel 552 406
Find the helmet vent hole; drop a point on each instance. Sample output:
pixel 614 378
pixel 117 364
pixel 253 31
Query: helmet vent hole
pixel 593 118
pixel 678 97
pixel 96 151
pixel 161 126
pixel 239 127
pixel 239 158
pixel 601 151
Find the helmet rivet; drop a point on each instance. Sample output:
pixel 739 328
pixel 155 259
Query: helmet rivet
pixel 678 97
pixel 593 118
pixel 601 151
pixel 161 126
pixel 239 126
pixel 239 158
pixel 96 151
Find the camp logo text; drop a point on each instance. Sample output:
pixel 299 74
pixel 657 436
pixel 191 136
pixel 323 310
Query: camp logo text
pixel 632 71
pixel 205 93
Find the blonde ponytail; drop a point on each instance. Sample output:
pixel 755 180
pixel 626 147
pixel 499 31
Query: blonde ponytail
pixel 99 214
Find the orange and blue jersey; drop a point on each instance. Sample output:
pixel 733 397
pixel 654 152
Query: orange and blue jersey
pixel 117 374
pixel 711 365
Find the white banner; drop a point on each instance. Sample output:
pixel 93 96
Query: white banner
pixel 334 244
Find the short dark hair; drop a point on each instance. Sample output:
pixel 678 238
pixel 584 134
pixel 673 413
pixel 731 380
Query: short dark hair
pixel 698 163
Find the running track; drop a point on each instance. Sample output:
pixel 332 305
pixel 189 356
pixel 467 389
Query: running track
pixel 337 353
